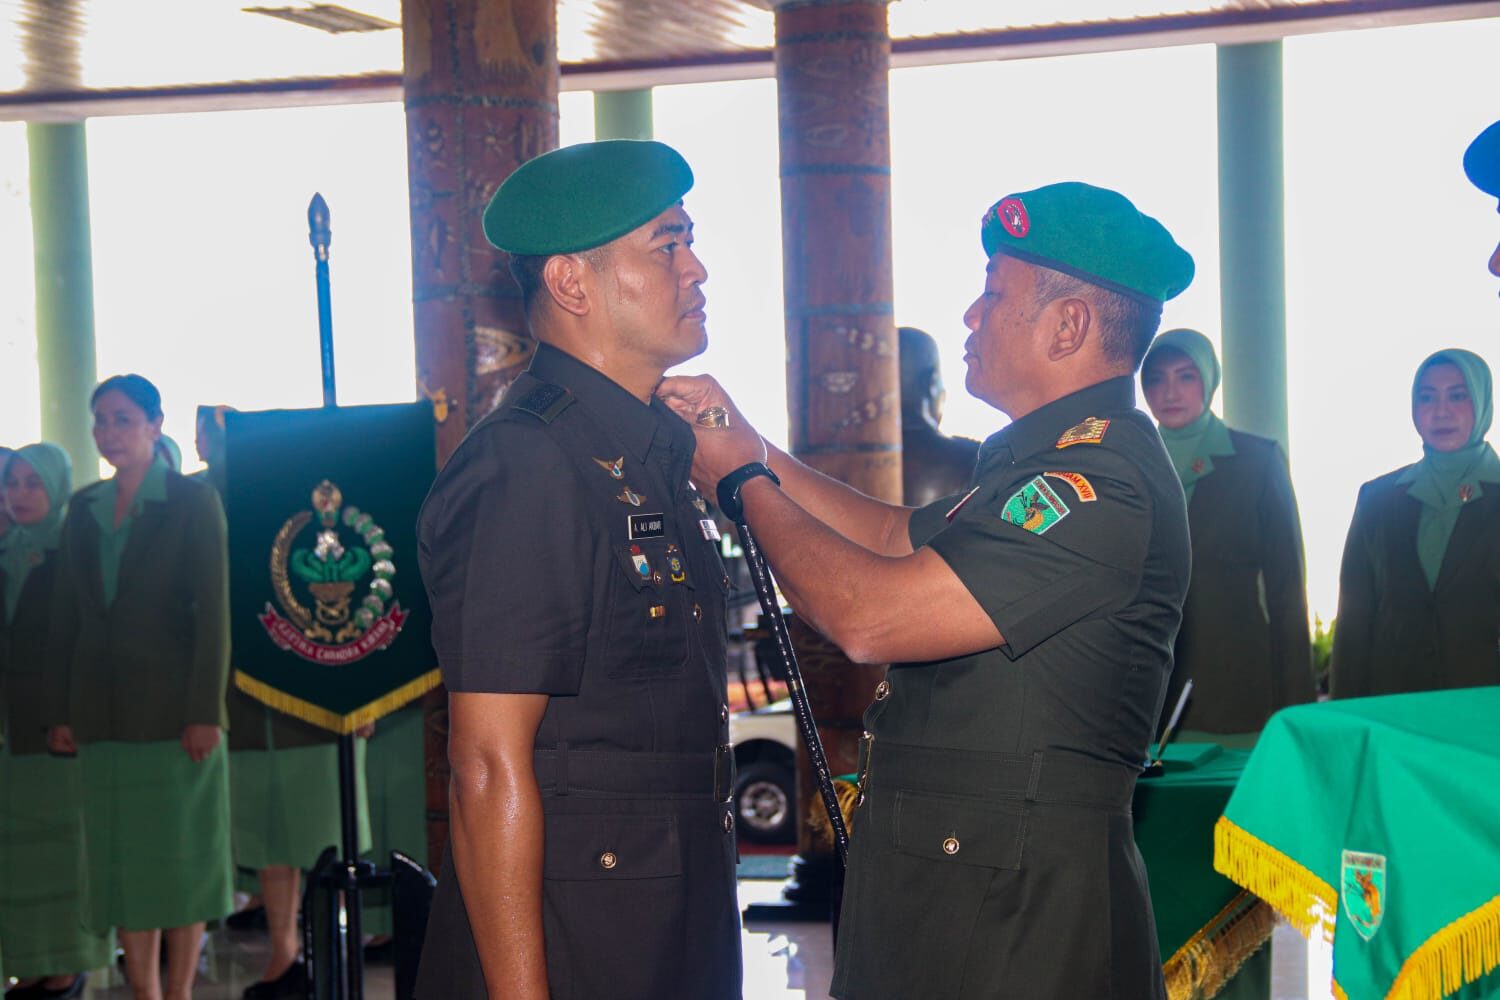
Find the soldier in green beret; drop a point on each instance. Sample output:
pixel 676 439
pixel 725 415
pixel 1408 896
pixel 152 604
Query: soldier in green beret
pixel 1028 622
pixel 578 604
pixel 1482 164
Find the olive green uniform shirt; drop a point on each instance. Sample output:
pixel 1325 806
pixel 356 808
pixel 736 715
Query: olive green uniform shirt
pixel 993 854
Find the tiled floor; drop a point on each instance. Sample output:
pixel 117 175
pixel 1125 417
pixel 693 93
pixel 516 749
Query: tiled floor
pixel 783 961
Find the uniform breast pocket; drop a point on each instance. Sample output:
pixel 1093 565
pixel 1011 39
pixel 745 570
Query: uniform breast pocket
pixel 647 634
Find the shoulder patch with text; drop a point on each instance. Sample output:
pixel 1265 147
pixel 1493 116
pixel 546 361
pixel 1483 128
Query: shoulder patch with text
pixel 1035 507
pixel 1091 431
pixel 1081 486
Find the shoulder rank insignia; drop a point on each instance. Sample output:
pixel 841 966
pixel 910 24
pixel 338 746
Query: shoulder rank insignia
pixel 616 469
pixel 1081 486
pixel 960 505
pixel 1091 431
pixel 630 496
pixel 545 401
pixel 1035 507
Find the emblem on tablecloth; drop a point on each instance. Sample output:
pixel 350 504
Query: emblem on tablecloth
pixel 1363 886
pixel 1035 507
pixel 345 548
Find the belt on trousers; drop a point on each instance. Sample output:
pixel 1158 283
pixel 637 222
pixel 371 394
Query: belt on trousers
pixel 1037 777
pixel 564 771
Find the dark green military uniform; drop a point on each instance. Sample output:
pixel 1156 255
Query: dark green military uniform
pixel 993 854
pixel 1394 633
pixel 1244 636
pixel 566 553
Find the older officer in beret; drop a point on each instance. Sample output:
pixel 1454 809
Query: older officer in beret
pixel 1482 164
pixel 578 604
pixel 1028 620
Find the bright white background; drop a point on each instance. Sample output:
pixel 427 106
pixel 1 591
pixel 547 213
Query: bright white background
pixel 203 277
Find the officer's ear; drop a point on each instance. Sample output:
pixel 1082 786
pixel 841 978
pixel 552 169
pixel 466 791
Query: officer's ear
pixel 566 284
pixel 1071 322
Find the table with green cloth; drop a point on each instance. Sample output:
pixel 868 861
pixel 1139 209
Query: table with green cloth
pixel 1375 822
pixel 1206 926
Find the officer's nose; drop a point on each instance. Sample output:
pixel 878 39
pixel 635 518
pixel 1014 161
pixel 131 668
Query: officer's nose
pixel 971 315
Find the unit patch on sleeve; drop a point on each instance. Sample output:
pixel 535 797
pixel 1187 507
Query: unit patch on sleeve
pixel 1091 431
pixel 1081 486
pixel 1035 507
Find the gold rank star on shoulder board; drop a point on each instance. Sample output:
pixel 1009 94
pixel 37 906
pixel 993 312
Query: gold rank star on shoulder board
pixel 1091 431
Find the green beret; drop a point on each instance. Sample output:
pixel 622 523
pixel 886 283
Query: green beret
pixel 1091 233
pixel 580 197
pixel 1482 160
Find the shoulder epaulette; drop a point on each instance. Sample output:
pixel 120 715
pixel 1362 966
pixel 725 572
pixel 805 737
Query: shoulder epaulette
pixel 545 401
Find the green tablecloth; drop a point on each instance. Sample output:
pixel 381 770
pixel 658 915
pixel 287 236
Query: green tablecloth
pixel 1376 823
pixel 1206 926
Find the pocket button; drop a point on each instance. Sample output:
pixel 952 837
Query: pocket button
pixel 607 860
pixel 950 846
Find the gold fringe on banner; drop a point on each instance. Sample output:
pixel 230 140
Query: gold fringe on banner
pixel 1306 901
pixel 1460 953
pixel 1202 967
pixel 332 721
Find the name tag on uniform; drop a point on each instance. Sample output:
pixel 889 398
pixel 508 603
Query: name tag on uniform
pixel 710 529
pixel 647 526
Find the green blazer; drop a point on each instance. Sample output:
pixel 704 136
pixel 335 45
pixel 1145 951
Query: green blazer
pixel 24 662
pixel 1394 634
pixel 157 659
pixel 1244 638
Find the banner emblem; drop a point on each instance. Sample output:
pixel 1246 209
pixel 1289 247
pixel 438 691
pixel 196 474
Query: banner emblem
pixel 1363 886
pixel 321 557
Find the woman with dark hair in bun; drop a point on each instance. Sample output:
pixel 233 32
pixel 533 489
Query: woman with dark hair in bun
pixel 141 634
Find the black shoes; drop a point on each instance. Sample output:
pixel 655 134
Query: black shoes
pixel 36 991
pixel 291 983
pixel 252 918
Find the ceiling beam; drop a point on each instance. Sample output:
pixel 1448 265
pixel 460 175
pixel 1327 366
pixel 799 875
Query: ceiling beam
pixel 1225 27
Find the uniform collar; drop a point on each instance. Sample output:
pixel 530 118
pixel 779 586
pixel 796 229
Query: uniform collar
pixel 1039 430
pixel 634 422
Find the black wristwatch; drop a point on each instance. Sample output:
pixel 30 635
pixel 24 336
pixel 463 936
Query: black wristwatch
pixel 730 486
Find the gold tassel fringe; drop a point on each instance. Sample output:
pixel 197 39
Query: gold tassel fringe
pixel 332 721
pixel 1202 967
pixel 1306 901
pixel 1459 953
pixel 817 817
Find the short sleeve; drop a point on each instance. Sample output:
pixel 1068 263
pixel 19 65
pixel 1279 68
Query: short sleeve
pixel 1053 550
pixel 925 522
pixel 506 554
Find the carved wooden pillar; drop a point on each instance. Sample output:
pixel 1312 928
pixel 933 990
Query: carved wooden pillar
pixel 481 83
pixel 843 381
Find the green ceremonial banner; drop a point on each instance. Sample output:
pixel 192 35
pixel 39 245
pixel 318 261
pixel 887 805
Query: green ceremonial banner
pixel 329 617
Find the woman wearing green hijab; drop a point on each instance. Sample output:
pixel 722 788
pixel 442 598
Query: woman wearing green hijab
pixel 1244 638
pixel 1419 599
pixel 42 861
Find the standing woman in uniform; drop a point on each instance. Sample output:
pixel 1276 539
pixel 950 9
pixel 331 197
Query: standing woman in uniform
pixel 42 866
pixel 1244 638
pixel 141 630
pixel 1419 598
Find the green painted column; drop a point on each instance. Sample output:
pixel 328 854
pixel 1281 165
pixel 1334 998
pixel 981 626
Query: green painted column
pixel 64 290
pixel 623 114
pixel 1252 243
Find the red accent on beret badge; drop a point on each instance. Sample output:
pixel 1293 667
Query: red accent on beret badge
pixel 1013 217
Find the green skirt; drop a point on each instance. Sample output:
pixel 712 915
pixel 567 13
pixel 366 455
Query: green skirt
pixel 157 829
pixel 397 775
pixel 285 804
pixel 43 870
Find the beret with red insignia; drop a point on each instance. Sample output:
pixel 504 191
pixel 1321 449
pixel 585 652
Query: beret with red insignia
pixel 1092 233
